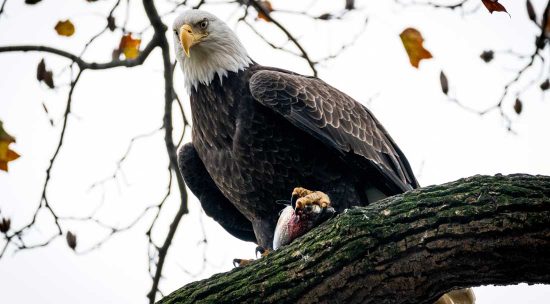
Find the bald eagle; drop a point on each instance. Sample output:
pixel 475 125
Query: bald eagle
pixel 258 132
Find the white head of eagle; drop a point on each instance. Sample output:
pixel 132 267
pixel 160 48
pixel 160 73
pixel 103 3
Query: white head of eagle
pixel 206 46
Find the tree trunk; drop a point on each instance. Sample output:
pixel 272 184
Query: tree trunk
pixel 409 248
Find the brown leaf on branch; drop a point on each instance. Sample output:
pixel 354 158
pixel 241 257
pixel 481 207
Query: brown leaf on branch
pixel 531 11
pixel 64 28
pixel 325 16
pixel 42 74
pixel 71 240
pixel 129 46
pixel 444 83
pixel 494 6
pixel 111 24
pixel 545 85
pixel 487 56
pixel 518 106
pixel 5 225
pixel 6 155
pixel 266 5
pixel 412 41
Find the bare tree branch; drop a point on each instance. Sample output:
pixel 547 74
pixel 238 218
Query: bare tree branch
pixel 457 5
pixel 266 13
pixel 121 160
pixel 540 43
pixel 44 203
pixel 3 6
pixel 84 65
pixel 160 28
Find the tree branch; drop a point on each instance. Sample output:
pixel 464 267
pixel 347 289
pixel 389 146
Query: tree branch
pixel 44 202
pixel 3 6
pixel 409 248
pixel 160 29
pixel 82 64
pixel 266 13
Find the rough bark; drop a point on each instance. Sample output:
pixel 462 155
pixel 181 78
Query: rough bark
pixel 409 248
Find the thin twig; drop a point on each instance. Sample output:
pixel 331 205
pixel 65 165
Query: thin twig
pixel 3 6
pixel 303 52
pixel 44 203
pixel 123 158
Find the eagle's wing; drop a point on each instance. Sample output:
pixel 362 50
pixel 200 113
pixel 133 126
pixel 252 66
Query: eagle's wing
pixel 335 119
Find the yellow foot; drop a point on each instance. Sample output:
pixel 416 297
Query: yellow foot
pixel 243 262
pixel 305 199
pixel 262 251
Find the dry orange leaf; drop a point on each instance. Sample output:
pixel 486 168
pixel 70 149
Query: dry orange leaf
pixel 266 5
pixel 129 46
pixel 6 155
pixel 494 6
pixel 64 28
pixel 412 41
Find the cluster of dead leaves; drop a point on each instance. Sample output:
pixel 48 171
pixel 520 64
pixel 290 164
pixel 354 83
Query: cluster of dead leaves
pixel 413 41
pixel 6 154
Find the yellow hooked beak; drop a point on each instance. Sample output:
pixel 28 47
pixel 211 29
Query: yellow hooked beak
pixel 188 38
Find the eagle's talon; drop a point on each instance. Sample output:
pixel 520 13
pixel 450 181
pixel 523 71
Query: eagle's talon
pixel 262 251
pixel 244 262
pixel 297 193
pixel 241 262
pixel 307 199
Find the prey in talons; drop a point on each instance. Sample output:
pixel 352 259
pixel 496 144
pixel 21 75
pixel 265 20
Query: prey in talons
pixel 307 210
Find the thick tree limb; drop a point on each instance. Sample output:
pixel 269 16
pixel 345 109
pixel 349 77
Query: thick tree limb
pixel 409 248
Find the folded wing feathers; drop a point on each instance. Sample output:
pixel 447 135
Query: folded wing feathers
pixel 333 117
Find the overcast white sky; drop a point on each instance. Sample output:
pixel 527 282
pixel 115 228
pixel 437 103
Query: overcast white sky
pixel 442 141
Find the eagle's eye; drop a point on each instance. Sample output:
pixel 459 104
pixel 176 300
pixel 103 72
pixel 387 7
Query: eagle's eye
pixel 176 32
pixel 203 24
